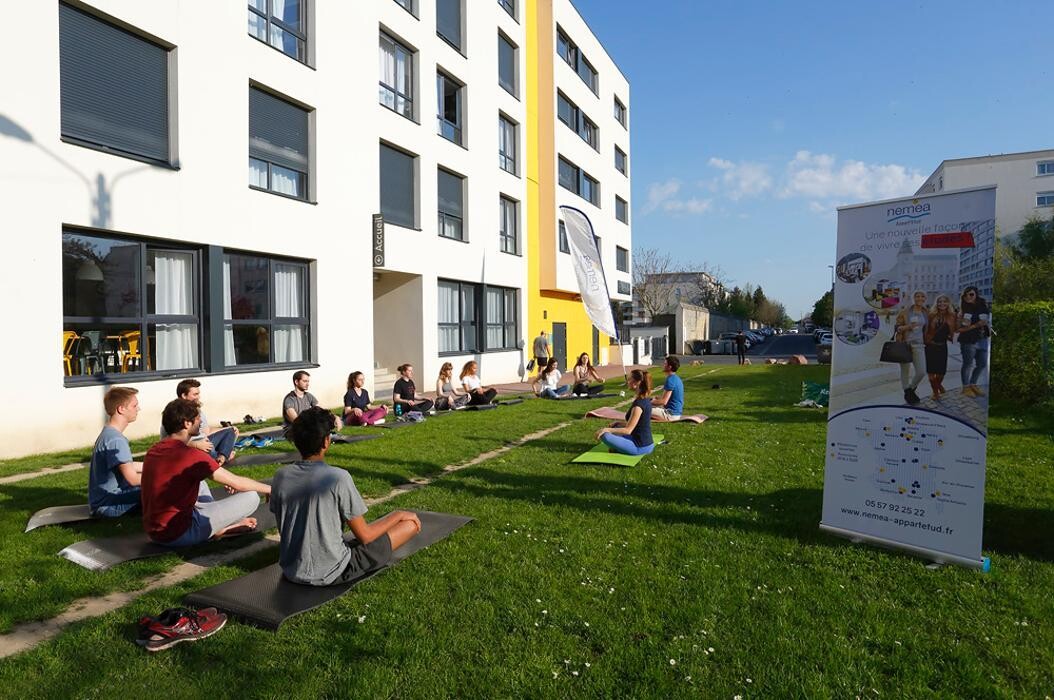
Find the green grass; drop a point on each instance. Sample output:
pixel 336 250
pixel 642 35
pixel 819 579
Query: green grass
pixel 686 576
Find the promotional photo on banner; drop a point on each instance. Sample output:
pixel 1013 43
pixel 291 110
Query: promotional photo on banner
pixel 907 428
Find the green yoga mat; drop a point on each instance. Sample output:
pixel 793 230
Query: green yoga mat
pixel 600 454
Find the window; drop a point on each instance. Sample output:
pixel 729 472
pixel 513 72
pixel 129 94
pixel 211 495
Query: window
pixel 128 306
pixel 620 112
pixel 621 259
pixel 621 209
pixel 507 64
pixel 113 87
pixel 569 113
pixel 467 309
pixel 500 315
pixel 278 145
pixel 1045 167
pixel 623 287
pixel 280 23
pixel 508 225
pixel 509 6
pixel 448 21
pixel 451 205
pixel 506 144
pixel 408 5
pixel 458 330
pixel 1045 199
pixel 265 310
pixel 565 247
pixel 398 194
pixel 397 76
pixel 450 115
pixel 571 54
pixel 620 160
pixel 574 179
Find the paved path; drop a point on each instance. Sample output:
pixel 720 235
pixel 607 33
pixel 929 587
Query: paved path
pixel 785 346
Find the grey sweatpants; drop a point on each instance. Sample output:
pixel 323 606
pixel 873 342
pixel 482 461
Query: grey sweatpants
pixel 210 516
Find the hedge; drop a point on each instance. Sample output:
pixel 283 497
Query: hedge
pixel 1018 351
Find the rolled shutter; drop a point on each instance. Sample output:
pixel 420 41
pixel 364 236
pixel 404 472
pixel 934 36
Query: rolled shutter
pixel 114 86
pixel 277 131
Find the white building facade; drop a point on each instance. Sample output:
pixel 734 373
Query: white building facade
pixel 143 239
pixel 1025 189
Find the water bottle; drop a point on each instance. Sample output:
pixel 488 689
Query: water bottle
pixel 398 410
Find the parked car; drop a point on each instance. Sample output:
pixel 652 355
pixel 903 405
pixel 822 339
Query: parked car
pixel 826 338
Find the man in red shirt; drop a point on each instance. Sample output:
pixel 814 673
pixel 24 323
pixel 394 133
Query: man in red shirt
pixel 178 510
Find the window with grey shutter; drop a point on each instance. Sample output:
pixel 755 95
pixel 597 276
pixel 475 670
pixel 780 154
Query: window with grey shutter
pixel 451 190
pixel 278 145
pixel 448 21
pixel 114 87
pixel 507 65
pixel 397 187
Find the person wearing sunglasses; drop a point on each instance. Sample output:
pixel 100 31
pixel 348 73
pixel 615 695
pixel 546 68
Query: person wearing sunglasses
pixel 974 330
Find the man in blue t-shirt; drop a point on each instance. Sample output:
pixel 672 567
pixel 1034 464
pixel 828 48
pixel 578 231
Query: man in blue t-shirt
pixel 113 478
pixel 669 406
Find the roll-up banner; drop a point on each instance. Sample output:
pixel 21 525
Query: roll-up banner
pixel 589 270
pixel 908 425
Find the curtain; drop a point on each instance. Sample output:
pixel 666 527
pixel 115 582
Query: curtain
pixel 257 173
pixel 395 68
pixel 448 317
pixel 230 358
pixel 285 181
pixel 177 343
pixel 289 339
pixel 494 308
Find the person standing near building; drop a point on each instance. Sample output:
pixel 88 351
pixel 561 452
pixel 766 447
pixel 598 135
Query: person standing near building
pixel 542 351
pixel 741 346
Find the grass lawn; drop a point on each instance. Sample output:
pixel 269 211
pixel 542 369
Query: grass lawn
pixel 701 572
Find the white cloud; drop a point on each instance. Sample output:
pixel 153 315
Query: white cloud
pixel 663 196
pixel 821 178
pixel 745 179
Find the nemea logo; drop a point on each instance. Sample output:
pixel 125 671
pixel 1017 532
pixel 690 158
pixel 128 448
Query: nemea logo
pixel 909 211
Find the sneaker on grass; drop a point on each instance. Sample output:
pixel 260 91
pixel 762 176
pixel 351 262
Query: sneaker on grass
pixel 177 625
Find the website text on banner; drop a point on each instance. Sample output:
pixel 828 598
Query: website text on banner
pixel 907 432
pixel 589 270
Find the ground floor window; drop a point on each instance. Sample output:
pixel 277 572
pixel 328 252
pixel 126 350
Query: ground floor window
pixel 152 308
pixel 476 318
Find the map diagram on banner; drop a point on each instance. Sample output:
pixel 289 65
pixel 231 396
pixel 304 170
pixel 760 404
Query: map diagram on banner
pixel 909 459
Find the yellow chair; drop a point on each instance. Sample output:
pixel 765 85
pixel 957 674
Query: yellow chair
pixel 69 342
pixel 131 340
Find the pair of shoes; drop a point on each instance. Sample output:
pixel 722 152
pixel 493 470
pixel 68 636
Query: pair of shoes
pixel 911 397
pixel 244 442
pixel 379 421
pixel 977 391
pixel 261 441
pixel 177 625
pixel 968 391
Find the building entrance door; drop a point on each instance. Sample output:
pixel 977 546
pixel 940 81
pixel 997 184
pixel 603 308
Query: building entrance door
pixel 560 344
pixel 596 346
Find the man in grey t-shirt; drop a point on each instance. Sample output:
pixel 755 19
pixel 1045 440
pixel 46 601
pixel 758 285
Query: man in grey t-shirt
pixel 311 502
pixel 298 400
pixel 541 351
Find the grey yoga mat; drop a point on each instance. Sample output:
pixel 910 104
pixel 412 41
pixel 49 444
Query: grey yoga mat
pixel 106 552
pixel 61 515
pixel 266 599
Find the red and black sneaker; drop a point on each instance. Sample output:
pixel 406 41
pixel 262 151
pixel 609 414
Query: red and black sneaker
pixel 177 625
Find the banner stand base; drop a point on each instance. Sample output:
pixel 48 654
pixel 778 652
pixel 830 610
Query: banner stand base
pixel 938 558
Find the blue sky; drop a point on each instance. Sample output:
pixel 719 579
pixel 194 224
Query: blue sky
pixel 752 121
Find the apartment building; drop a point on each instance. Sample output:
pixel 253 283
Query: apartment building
pixel 578 143
pixel 1025 189
pixel 382 218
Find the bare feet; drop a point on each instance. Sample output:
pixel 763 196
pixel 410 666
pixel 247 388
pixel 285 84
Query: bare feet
pixel 239 528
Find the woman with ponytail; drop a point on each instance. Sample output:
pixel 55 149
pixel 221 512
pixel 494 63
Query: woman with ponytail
pixel 634 438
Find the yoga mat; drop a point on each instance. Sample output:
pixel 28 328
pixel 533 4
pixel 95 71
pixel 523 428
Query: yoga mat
pixel 611 413
pixel 510 402
pixel 266 599
pixel 481 407
pixel 57 515
pixel 104 553
pixel 570 397
pixel 600 454
pixel 342 438
pixel 258 458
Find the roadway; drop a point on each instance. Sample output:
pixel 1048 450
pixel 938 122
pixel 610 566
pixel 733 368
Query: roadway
pixel 784 346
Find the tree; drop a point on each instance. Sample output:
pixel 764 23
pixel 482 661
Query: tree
pixel 650 290
pixel 1020 278
pixel 823 310
pixel 1035 240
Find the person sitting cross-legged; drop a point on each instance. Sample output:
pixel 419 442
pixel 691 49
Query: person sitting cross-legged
pixel 178 509
pixel 357 408
pixel 634 437
pixel 670 405
pixel 470 380
pixel 114 477
pixel 448 396
pixel 404 393
pixel 311 502
pixel 549 379
pixel 218 441
pixel 583 372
